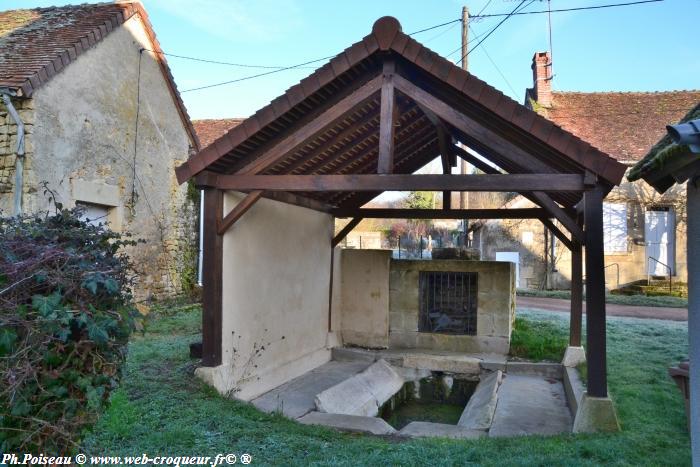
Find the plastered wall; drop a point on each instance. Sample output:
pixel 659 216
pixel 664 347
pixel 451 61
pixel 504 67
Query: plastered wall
pixel 276 278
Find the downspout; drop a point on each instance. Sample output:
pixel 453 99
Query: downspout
pixel 19 160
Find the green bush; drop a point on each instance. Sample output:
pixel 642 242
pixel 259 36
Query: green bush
pixel 65 318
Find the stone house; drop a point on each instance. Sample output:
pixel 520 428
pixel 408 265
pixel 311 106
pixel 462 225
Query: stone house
pixel 640 223
pixel 103 127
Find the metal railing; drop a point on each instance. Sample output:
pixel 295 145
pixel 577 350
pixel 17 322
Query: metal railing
pixel 670 273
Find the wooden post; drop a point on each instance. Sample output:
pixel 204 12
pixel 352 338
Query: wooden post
pixel 595 293
pixel 385 164
pixel 575 318
pixel 211 278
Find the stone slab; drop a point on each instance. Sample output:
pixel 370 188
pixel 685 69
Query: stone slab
pixel 573 356
pixel 574 388
pixel 493 362
pixel 596 414
pixel 363 393
pixel 459 364
pixel 355 423
pixel 546 370
pixel 439 430
pixel 530 405
pixel 478 414
pixel 296 397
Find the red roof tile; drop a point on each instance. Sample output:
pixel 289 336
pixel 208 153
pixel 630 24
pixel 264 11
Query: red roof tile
pixel 209 130
pixel 36 44
pixel 622 124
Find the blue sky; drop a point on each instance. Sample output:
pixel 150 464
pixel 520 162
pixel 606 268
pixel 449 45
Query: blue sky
pixel 649 47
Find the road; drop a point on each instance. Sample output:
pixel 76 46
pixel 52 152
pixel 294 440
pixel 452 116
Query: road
pixel 648 312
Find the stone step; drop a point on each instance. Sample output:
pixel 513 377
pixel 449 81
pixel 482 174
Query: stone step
pixel 363 393
pixel 440 430
pixel 355 423
pixel 478 414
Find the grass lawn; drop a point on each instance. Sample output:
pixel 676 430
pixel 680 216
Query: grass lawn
pixel 161 409
pixel 632 300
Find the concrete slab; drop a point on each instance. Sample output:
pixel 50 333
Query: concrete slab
pixel 478 414
pixel 488 361
pixel 296 397
pixel 574 388
pixel 439 430
pixel 546 370
pixel 459 364
pixel 529 405
pixel 363 393
pixel 355 423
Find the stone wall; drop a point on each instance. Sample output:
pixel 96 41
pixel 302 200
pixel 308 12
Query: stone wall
pixel 82 128
pixel 8 148
pixel 495 306
pixel 527 238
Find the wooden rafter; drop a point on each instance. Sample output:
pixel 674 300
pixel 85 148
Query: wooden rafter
pixel 345 231
pixel 557 233
pixel 402 182
pixel 241 208
pixel 319 125
pixel 505 213
pixel 387 116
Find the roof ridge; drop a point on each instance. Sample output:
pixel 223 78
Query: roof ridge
pixel 676 91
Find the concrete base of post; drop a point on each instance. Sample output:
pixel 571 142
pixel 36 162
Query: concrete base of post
pixel 596 414
pixel 574 356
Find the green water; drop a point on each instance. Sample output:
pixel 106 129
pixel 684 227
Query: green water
pixel 415 410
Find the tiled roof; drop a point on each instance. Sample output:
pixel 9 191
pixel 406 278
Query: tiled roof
pixel 211 129
pixel 236 149
pixel 36 44
pixel 623 124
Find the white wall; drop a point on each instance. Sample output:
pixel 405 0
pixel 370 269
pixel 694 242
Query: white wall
pixel 276 278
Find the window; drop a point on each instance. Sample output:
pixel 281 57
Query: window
pixel 615 227
pixel 94 214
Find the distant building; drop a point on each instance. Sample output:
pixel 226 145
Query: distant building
pixel 104 127
pixel 645 231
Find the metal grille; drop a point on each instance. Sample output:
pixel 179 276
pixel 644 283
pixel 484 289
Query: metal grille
pixel 448 302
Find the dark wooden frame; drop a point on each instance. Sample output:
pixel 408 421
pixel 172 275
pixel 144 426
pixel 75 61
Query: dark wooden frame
pixel 450 124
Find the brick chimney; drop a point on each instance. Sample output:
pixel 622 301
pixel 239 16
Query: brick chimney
pixel 542 78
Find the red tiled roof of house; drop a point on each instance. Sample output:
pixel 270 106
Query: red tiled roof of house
pixel 37 44
pixel 211 129
pixel 623 124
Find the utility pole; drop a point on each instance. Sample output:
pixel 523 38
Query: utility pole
pixel 463 197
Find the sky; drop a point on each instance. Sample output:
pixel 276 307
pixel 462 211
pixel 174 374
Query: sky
pixel 649 47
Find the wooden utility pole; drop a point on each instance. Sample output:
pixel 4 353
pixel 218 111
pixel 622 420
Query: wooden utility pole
pixel 463 198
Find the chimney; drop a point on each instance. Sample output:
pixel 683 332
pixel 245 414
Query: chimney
pixel 542 78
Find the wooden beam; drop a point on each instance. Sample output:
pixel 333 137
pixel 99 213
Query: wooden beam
pixel 240 209
pixel 539 198
pixel 557 233
pixel 318 125
pixel 559 213
pixel 385 164
pixel 403 182
pixel 595 293
pixel 377 213
pixel 346 230
pixel 575 317
pixel 471 127
pixel 212 264
pixel 303 201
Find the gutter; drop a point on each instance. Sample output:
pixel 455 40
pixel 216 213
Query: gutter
pixel 19 160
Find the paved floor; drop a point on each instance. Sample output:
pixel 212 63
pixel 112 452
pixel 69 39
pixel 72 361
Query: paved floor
pixel 529 405
pixel 296 397
pixel 648 312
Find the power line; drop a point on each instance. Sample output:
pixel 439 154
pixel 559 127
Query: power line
pixel 275 69
pixel 494 28
pixel 217 62
pixel 595 7
pixel 496 67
